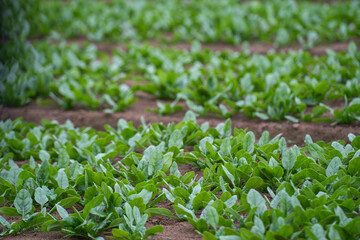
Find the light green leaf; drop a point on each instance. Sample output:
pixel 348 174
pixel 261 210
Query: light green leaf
pixel 23 202
pixel 255 199
pixel 225 147
pixel 167 161
pixel 43 173
pixel 92 204
pixel 333 233
pixel 44 155
pixel 228 174
pixel 40 196
pixel 249 142
pixel 231 201
pixel 62 211
pixel 212 216
pixel 190 116
pixel 62 179
pixel 264 139
pixel 64 159
pixel 333 166
pixel 318 231
pixel 176 139
pixel 174 170
pixel 288 159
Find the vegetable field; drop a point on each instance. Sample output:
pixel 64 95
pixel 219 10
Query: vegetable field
pixel 171 119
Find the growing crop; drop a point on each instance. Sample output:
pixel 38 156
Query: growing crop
pixel 272 86
pixel 231 21
pixel 82 182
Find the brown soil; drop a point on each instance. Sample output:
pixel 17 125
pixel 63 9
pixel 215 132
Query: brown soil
pixel 31 235
pixel 293 132
pixel 254 47
pixel 173 228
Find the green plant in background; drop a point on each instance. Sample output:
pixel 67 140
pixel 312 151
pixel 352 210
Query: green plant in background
pixel 230 21
pixel 272 86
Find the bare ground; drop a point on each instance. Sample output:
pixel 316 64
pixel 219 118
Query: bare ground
pixel 293 132
pixel 254 47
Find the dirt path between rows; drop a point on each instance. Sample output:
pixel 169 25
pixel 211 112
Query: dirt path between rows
pixel 293 132
pixel 254 48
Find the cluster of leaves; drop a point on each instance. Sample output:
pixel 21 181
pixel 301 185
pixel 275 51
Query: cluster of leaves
pixel 17 18
pixel 67 74
pixel 272 86
pixel 206 21
pixel 95 181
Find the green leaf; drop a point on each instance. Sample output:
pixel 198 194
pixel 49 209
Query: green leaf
pixel 62 179
pixel 354 166
pixel 255 199
pixel 231 201
pixel 44 155
pixel 144 194
pixel 225 147
pixel 190 116
pixel 174 170
pixel 209 236
pixel 159 211
pixel 228 174
pixel 212 216
pixel 92 204
pixel 43 173
pixel 5 224
pixel 187 177
pixel 201 200
pixel 62 211
pixel 64 159
pixel 9 211
pixel 249 142
pixel 168 159
pixel 23 202
pixel 154 230
pixel 356 142
pixel 333 166
pixel 137 215
pixel 333 233
pixel 68 202
pixel 120 233
pixel 254 182
pixel 318 231
pixel 264 139
pixel 176 139
pixel 40 196
pixel 227 128
pixel 288 159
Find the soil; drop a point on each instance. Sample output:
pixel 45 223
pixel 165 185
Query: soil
pixel 176 229
pixel 294 133
pixel 254 47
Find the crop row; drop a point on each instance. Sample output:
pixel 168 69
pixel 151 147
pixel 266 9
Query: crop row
pixel 114 180
pixel 229 21
pixel 272 86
